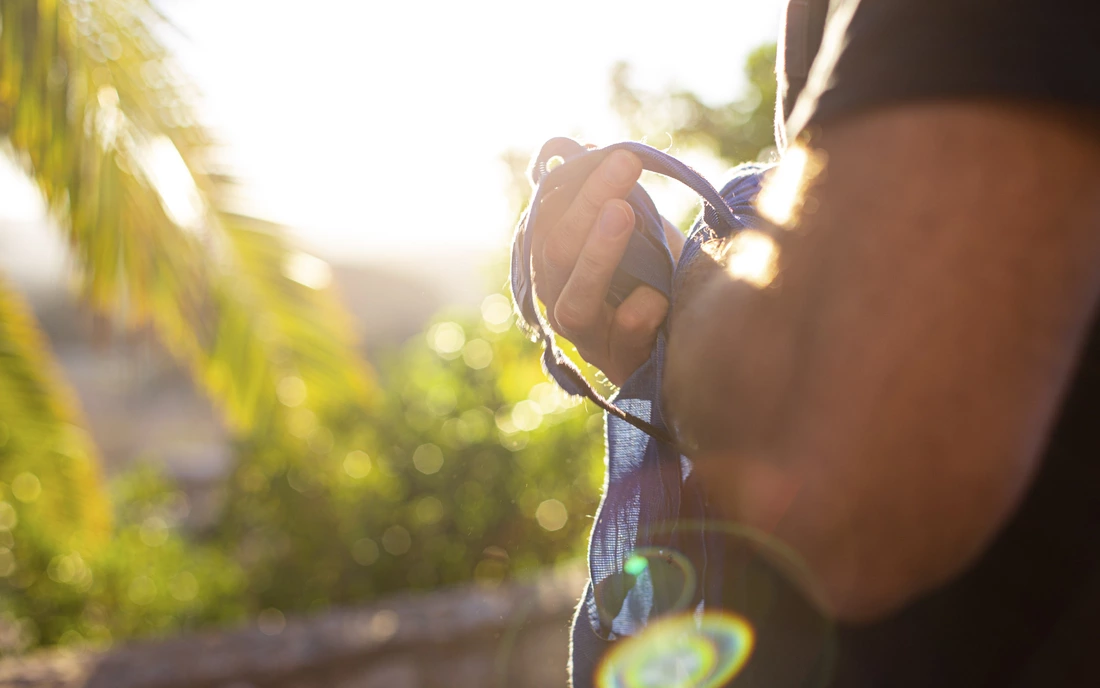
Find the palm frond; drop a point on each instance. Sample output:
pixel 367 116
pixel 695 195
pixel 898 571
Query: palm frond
pixel 41 440
pixel 96 111
pixel 280 323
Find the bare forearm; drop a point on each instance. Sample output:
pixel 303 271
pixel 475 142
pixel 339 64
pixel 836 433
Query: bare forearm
pixel 882 403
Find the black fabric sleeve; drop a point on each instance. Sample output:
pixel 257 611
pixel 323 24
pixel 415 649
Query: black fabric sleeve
pixel 882 52
pixel 799 41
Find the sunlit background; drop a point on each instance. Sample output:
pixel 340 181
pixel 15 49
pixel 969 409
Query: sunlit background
pixel 258 364
pixel 375 130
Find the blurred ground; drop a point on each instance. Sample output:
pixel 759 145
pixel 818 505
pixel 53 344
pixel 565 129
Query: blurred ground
pixel 515 635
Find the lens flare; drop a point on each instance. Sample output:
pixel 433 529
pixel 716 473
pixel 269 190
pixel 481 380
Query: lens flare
pixel 695 615
pixel 783 194
pixel 671 576
pixel 662 576
pixel 752 257
pixel 635 565
pixel 680 652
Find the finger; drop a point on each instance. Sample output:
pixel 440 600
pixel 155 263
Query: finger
pixel 634 327
pixel 553 206
pixel 581 302
pixel 613 178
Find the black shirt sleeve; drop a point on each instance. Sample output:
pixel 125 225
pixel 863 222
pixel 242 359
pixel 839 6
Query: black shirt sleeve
pixel 883 52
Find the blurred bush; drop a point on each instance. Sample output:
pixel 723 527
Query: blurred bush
pixel 736 131
pixel 471 466
pixel 468 466
pixel 147 578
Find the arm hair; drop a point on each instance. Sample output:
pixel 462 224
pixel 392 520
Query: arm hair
pixel 883 405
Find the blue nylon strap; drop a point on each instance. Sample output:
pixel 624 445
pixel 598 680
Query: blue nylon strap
pixel 647 259
pixel 647 486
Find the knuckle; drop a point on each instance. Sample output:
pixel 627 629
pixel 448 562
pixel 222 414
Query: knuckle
pixel 639 320
pixel 589 270
pixel 556 256
pixel 631 322
pixel 570 320
pixel 589 203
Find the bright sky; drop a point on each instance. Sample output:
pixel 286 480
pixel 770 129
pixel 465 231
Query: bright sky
pixel 375 128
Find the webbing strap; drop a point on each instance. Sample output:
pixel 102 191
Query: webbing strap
pixel 648 493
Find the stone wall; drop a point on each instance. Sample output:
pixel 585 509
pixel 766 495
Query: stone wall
pixel 512 635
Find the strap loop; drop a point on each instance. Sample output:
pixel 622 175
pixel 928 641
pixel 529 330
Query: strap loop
pixel 647 260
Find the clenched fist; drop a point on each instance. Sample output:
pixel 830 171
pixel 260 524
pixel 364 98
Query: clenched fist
pixel 578 243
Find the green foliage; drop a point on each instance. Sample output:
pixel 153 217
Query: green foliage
pixel 451 477
pixel 95 110
pixel 97 113
pixel 737 131
pixel 44 456
pixel 469 465
pixel 461 463
pixel 146 579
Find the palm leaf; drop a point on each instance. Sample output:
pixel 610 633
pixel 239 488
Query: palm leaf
pixel 40 437
pixel 92 106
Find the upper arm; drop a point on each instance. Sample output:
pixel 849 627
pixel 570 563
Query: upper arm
pixel 904 368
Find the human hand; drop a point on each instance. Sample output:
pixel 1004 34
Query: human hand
pixel 578 243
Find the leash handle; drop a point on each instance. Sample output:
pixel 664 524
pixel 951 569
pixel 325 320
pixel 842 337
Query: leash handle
pixel 647 260
pixel 579 163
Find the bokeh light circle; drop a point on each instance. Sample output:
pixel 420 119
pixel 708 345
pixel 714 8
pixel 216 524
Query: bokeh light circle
pixel 680 652
pixel 704 573
pixel 670 573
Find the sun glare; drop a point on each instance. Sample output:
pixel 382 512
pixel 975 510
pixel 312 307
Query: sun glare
pixel 168 173
pixel 385 96
pixel 308 270
pixel 782 196
pixel 752 257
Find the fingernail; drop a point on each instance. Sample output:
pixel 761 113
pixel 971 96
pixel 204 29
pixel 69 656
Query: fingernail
pixel 620 168
pixel 614 222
